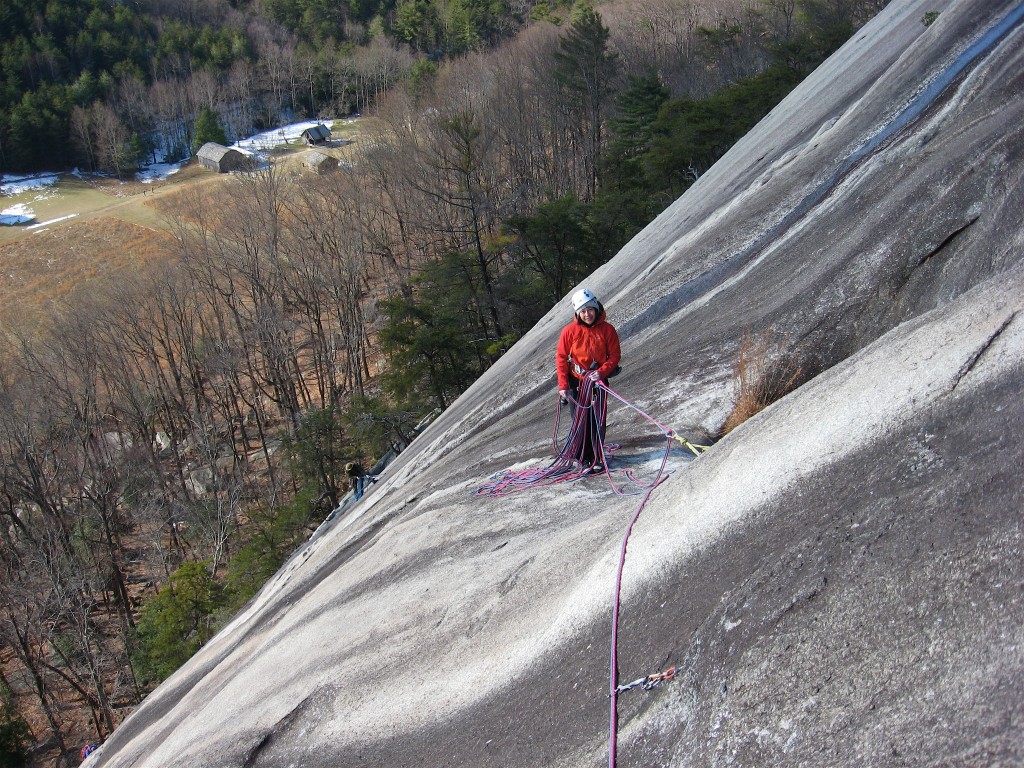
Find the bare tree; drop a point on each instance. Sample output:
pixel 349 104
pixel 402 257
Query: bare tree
pixel 326 274
pixel 339 73
pixel 390 236
pixel 378 67
pixel 132 103
pixel 521 113
pixel 277 59
pixel 205 90
pixel 170 103
pixel 60 566
pixel 22 630
pixel 660 34
pixel 241 92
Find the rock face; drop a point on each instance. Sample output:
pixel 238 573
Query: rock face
pixel 840 578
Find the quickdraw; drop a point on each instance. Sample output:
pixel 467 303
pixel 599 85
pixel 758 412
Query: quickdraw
pixel 613 672
pixel 650 682
pixel 695 448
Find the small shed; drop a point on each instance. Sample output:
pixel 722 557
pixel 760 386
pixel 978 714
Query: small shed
pixel 318 134
pixel 321 163
pixel 222 159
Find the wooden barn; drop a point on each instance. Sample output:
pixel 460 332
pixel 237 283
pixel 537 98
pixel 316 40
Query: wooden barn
pixel 318 134
pixel 222 159
pixel 321 163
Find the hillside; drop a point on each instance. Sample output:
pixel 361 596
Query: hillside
pixel 839 578
pixel 89 231
pixel 100 86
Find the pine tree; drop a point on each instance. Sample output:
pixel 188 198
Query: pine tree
pixel 177 621
pixel 638 108
pixel 585 70
pixel 207 128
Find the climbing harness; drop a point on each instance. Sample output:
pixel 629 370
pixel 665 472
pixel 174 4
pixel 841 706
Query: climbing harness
pixel 591 403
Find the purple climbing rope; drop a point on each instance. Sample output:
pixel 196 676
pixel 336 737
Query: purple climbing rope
pixel 592 403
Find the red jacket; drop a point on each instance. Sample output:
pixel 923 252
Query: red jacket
pixel 580 345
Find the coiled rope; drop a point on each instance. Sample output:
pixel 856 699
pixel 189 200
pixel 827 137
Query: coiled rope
pixel 566 466
pixel 591 406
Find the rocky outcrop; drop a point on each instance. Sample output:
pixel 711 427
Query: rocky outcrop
pixel 839 579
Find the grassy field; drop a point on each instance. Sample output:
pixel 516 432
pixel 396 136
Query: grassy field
pixel 100 228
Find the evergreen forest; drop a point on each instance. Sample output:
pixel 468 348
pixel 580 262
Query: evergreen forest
pixel 168 439
pixel 107 86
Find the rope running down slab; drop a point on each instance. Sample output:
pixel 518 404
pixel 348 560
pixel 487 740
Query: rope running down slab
pixel 566 467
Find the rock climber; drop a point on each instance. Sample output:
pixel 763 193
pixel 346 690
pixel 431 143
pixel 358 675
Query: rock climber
pixel 588 352
pixel 357 478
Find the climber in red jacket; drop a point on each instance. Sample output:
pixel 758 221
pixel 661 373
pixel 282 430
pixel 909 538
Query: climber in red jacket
pixel 588 352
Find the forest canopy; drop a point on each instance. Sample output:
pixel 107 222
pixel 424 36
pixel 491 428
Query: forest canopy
pixel 75 75
pixel 109 86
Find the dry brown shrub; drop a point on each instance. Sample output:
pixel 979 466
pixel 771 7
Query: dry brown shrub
pixel 765 371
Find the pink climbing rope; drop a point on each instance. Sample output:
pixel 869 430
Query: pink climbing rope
pixel 566 467
pixel 613 682
pixel 591 404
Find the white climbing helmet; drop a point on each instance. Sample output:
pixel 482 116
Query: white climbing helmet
pixel 584 297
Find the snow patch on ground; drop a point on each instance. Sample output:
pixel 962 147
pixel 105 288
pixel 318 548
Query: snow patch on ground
pixel 267 140
pixel 11 184
pixel 16 214
pixel 53 221
pixel 157 172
